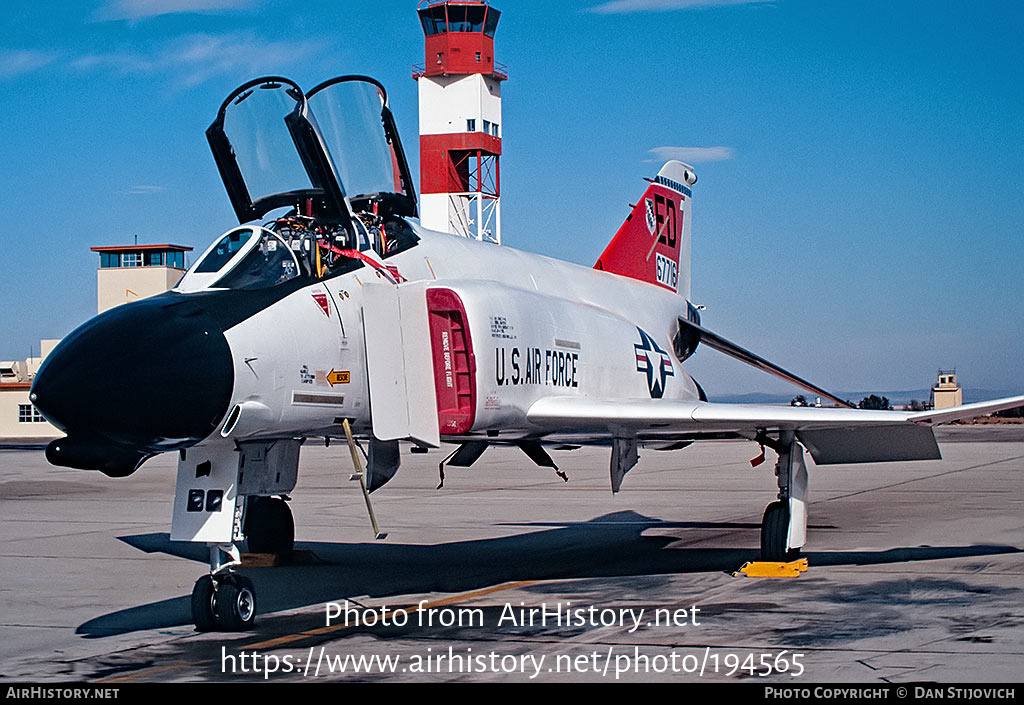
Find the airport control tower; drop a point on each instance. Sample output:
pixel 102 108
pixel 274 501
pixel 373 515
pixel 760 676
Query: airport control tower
pixel 132 272
pixel 460 119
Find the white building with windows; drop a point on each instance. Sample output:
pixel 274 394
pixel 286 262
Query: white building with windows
pixel 947 392
pixel 18 418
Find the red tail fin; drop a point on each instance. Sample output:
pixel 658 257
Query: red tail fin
pixel 653 245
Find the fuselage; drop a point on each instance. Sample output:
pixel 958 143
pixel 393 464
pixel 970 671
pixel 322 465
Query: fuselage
pixel 538 326
pixel 294 358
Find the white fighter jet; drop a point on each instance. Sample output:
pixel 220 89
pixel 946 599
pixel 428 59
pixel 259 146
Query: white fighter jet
pixel 331 311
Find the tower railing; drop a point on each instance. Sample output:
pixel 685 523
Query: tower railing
pixel 500 70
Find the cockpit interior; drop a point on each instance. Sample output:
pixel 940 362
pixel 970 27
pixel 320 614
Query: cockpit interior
pixel 315 195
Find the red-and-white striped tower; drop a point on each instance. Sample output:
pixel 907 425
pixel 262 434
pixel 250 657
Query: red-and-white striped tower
pixel 460 119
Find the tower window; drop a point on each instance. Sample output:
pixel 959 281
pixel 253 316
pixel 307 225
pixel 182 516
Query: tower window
pixel 471 125
pixel 131 259
pixel 487 127
pixel 478 57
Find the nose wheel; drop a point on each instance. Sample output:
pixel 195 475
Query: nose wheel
pixel 225 602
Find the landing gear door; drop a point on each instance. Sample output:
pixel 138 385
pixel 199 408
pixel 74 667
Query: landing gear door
pixel 206 506
pixel 403 403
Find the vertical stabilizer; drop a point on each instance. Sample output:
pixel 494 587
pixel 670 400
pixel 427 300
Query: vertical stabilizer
pixel 653 244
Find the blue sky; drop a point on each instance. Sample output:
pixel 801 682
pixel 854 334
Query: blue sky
pixel 857 217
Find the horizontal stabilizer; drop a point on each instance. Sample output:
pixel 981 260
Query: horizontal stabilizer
pixel 717 342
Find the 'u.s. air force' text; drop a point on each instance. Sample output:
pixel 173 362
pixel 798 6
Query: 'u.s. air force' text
pixel 516 366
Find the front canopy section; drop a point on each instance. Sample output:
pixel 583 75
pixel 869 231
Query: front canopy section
pixel 248 257
pixel 271 156
pixel 272 152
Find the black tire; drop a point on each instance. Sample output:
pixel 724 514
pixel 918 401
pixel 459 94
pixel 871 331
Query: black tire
pixel 203 615
pixel 235 604
pixel 775 532
pixel 269 527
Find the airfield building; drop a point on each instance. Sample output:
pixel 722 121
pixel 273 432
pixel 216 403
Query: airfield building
pixel 131 272
pixel 947 392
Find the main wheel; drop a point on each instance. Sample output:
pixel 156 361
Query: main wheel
pixel 202 604
pixel 269 527
pixel 775 533
pixel 235 603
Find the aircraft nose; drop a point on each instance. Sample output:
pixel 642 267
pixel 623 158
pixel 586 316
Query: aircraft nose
pixel 148 376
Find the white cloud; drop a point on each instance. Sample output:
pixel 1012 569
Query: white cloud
pixel 140 9
pixel 196 58
pixel 615 7
pixel 17 62
pixel 144 189
pixel 693 155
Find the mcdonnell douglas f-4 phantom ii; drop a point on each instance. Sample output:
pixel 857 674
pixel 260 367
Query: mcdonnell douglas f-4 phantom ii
pixel 341 315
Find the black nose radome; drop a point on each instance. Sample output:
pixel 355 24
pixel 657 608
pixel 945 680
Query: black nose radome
pixel 142 378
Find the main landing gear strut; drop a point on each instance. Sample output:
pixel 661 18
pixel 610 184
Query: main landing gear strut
pixel 784 525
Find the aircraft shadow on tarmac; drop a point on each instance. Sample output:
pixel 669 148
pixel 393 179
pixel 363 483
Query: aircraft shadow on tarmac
pixel 613 545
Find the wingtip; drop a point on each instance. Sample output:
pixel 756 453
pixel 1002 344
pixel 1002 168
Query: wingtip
pixel 966 411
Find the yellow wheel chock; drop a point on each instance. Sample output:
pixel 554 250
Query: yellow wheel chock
pixel 771 569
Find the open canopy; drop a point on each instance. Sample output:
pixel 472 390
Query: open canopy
pixel 273 153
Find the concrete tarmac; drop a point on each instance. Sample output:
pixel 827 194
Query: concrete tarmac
pixel 914 573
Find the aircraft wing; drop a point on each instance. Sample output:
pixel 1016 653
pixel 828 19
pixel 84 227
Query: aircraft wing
pixel 830 435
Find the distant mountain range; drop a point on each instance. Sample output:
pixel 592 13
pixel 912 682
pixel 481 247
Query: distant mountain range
pixel 896 398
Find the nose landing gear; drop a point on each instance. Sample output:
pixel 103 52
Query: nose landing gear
pixel 223 600
pixel 223 603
